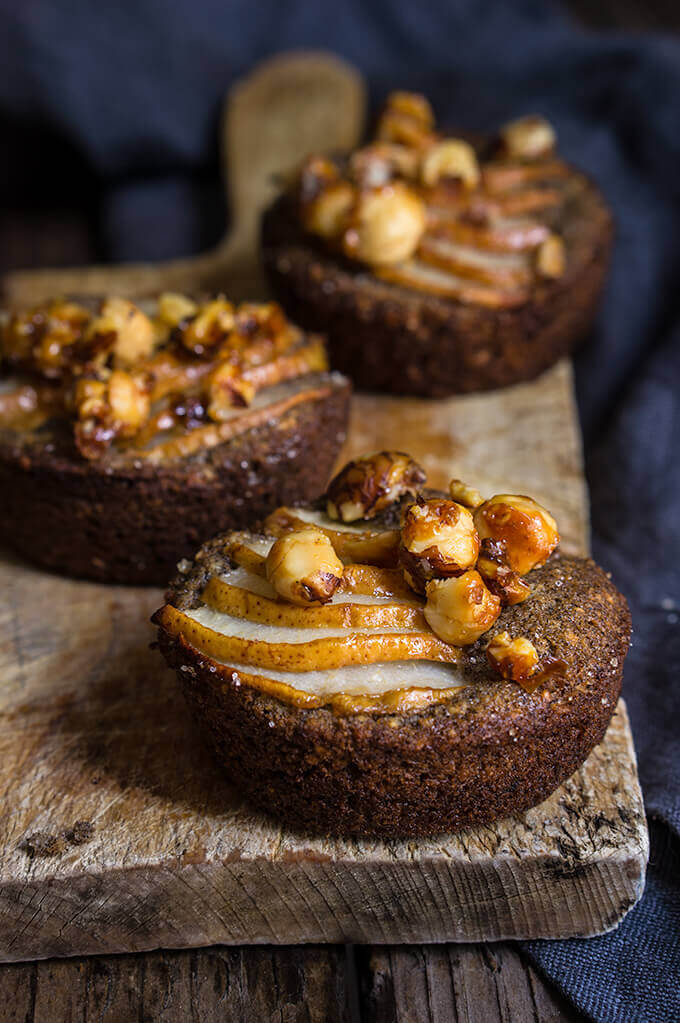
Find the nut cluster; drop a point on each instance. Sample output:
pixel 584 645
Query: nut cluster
pixel 121 374
pixel 377 206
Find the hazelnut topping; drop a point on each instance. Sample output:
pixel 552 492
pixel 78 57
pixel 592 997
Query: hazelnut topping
pixel 528 138
pixel 464 494
pixel 386 225
pixel 459 610
pixel 303 567
pixel 528 531
pixel 497 574
pixel 370 484
pixel 125 329
pixel 327 214
pixel 451 158
pixel 438 538
pixel 514 659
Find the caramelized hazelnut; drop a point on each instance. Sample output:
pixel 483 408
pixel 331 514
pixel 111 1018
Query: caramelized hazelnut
pixel 386 226
pixel 46 337
pixel 497 574
pixel 527 531
pixel 129 402
pixel 106 409
pixel 125 329
pixel 211 325
pixel 227 389
pixel 303 567
pixel 376 165
pixel 464 494
pixel 327 214
pixel 451 158
pixel 407 119
pixel 528 138
pixel 551 257
pixel 316 174
pixel 514 659
pixel 460 609
pixel 438 538
pixel 368 485
pixel 173 308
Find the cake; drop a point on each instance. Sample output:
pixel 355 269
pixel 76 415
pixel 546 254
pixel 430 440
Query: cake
pixel 127 435
pixel 394 661
pixel 437 266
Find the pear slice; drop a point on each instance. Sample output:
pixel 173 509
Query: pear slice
pixel 329 652
pixel 351 543
pixel 242 603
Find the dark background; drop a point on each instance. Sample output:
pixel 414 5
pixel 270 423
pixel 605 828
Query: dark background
pixel 60 204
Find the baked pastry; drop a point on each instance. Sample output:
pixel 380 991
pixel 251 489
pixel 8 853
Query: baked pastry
pixel 437 267
pixel 126 436
pixel 397 662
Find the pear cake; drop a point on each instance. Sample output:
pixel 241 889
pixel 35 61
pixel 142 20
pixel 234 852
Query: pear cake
pixel 436 266
pixel 394 661
pixel 128 435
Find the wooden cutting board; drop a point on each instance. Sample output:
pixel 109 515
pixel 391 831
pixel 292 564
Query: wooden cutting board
pixel 118 831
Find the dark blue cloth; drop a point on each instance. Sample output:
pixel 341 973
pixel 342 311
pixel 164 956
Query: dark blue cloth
pixel 136 87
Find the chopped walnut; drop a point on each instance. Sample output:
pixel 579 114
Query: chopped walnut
pixel 386 225
pixel 106 409
pixel 368 485
pixel 407 119
pixel 378 164
pixel 46 338
pixel 227 389
pixel 438 539
pixel 174 308
pixel 460 609
pixel 514 659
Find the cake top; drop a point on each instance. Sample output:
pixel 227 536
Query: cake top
pixel 161 383
pixel 435 213
pixel 365 600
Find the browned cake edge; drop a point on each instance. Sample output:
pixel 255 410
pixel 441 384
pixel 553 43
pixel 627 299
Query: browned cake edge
pixel 390 338
pixel 490 751
pixel 132 523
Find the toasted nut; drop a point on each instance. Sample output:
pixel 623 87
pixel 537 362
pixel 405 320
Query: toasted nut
pixel 464 494
pixel 387 225
pixel 460 609
pixel 451 158
pixel 368 485
pixel 376 165
pixel 46 338
pixel 497 574
pixel 528 531
pixel 129 402
pixel 528 138
pixel 173 308
pixel 411 104
pixel 514 659
pixel 211 325
pixel 227 389
pixel 328 212
pixel 303 567
pixel 551 257
pixel 438 538
pixel 125 328
pixel 316 174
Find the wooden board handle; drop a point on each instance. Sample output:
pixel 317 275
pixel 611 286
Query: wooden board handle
pixel 287 107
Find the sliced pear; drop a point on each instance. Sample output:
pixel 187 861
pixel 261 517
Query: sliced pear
pixel 377 582
pixel 503 235
pixel 417 274
pixel 499 269
pixel 329 652
pixel 242 603
pixel 501 177
pixel 351 544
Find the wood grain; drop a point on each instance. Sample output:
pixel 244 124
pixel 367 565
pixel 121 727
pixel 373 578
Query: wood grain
pixel 92 727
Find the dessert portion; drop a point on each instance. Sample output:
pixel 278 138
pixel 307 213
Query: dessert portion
pixel 396 661
pixel 436 265
pixel 127 434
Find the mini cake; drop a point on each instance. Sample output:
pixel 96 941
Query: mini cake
pixel 127 436
pixel 395 661
pixel 437 267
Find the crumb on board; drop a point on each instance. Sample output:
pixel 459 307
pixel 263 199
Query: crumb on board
pixel 41 843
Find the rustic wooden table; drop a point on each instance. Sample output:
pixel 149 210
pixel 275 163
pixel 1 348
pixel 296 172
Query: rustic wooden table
pixel 484 983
